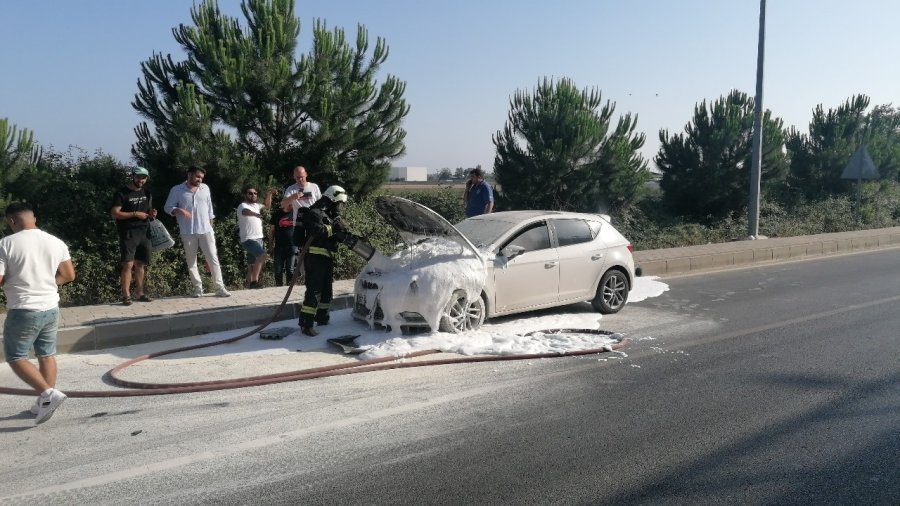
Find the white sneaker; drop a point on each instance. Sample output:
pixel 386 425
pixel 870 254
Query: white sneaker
pixel 48 404
pixel 197 295
pixel 36 406
pixel 223 293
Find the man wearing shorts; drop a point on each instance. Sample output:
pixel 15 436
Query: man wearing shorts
pixel 33 264
pixel 250 227
pixel 132 208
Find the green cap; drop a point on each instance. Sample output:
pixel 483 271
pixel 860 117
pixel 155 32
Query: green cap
pixel 140 171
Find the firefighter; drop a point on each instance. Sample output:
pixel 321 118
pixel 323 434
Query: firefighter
pixel 322 223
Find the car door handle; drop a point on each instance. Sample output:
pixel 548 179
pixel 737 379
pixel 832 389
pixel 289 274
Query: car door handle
pixel 550 265
pixel 598 256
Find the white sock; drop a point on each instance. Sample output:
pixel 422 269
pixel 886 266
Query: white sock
pixel 46 393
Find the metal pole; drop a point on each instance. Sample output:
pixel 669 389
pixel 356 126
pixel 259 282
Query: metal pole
pixel 753 212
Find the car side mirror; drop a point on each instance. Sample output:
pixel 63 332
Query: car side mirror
pixel 512 251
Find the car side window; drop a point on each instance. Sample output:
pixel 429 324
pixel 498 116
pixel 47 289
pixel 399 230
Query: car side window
pixel 572 232
pixel 534 238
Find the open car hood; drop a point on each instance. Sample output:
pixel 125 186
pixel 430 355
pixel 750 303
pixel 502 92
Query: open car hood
pixel 415 222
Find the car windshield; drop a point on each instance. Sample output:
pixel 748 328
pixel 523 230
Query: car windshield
pixel 483 230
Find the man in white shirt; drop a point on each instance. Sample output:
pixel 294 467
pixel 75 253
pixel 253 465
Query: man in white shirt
pixel 302 193
pixel 33 264
pixel 250 228
pixel 191 205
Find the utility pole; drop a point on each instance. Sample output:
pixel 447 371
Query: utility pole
pixel 755 171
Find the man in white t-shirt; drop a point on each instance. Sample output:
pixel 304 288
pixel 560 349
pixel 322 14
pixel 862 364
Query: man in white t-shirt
pixel 33 264
pixel 250 227
pixel 302 193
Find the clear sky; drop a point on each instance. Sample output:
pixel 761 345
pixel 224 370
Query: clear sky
pixel 69 69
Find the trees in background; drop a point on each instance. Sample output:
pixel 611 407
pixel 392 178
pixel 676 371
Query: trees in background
pixel 706 169
pixel 559 150
pixel 244 106
pixel 819 157
pixel 18 152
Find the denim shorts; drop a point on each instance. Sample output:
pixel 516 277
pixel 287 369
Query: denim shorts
pixel 24 329
pixel 255 249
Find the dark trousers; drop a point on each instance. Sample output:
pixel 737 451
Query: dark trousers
pixel 319 271
pixel 283 262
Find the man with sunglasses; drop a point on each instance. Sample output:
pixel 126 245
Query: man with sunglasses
pixel 250 228
pixel 132 208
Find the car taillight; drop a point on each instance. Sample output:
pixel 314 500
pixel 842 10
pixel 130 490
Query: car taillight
pixel 630 248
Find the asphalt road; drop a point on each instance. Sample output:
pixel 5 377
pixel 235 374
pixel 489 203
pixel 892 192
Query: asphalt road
pixel 772 385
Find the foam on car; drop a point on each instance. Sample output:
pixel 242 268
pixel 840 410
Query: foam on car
pixel 422 278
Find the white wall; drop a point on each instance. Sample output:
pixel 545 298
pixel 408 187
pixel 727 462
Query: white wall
pixel 409 173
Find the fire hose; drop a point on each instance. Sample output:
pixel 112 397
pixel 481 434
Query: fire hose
pixel 137 388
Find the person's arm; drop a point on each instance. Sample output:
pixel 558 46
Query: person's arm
pixel 171 205
pixel 315 225
pixel 267 204
pixel 151 212
pixel 116 212
pixel 65 273
pixel 291 195
pixel 209 206
pixel 246 211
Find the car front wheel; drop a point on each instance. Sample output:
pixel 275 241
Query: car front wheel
pixel 462 314
pixel 612 292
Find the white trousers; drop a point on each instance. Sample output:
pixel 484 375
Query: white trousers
pixel 207 244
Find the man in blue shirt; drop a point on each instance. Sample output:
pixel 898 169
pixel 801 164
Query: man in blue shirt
pixel 480 197
pixel 191 205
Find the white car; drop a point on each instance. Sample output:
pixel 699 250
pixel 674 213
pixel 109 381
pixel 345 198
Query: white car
pixel 452 278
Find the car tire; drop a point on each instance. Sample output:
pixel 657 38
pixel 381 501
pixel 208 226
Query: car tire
pixel 612 292
pixel 462 314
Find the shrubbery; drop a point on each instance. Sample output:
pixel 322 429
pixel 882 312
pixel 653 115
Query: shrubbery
pixel 649 225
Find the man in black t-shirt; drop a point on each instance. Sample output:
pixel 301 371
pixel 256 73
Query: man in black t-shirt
pixel 132 208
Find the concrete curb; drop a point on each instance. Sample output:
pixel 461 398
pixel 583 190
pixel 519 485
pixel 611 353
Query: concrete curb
pixel 138 330
pixel 668 261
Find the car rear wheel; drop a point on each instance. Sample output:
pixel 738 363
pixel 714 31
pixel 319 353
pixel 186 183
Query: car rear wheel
pixel 612 292
pixel 462 314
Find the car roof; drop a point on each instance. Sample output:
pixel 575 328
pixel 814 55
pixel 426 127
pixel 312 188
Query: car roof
pixel 520 216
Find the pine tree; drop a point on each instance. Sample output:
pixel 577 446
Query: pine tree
pixel 706 170
pixel 557 152
pixel 353 127
pixel 818 158
pixel 243 103
pixel 18 151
